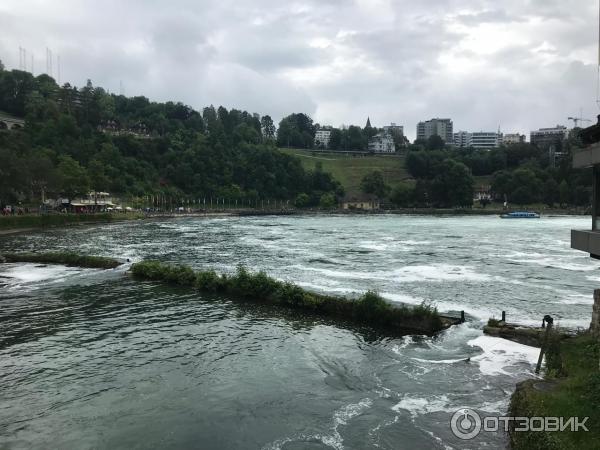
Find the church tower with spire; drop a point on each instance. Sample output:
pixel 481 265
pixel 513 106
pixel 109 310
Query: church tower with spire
pixel 368 125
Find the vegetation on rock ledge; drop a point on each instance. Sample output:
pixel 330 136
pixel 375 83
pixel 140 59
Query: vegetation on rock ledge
pixel 369 309
pixel 66 258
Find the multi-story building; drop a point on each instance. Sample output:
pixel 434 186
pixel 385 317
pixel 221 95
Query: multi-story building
pixel 322 137
pixel 545 138
pixel 382 143
pixel 485 139
pixel 479 139
pixel 462 139
pixel 514 138
pixel 441 127
pixel 394 130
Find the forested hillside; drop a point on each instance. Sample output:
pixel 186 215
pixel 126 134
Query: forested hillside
pixel 77 140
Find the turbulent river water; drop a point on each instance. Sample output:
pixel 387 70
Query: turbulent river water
pixel 92 359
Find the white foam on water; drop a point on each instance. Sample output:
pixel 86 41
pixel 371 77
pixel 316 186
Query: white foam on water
pixel 424 405
pixel 440 361
pixel 414 242
pixel 325 288
pixel 439 440
pixel 407 274
pixel 500 406
pixel 372 245
pixel 578 299
pixel 334 440
pixel 438 272
pixel 498 354
pixel 32 273
pixel 481 313
pixel 406 341
pixel 554 262
pixel 402 298
pixel 340 273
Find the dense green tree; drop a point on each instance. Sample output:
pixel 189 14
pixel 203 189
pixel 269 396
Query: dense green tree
pixel 73 178
pixel 296 130
pixel 551 192
pixel 435 142
pixel 327 201
pixel 302 200
pixel 335 139
pixel 453 185
pixel 268 128
pixel 402 195
pixel 356 139
pixel 564 192
pixel 373 183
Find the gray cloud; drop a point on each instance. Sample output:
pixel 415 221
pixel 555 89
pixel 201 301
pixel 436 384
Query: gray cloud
pixel 521 64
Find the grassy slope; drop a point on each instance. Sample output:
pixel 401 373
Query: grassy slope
pixel 349 170
pixel 577 395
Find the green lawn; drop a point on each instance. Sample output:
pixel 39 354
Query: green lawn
pixel 349 170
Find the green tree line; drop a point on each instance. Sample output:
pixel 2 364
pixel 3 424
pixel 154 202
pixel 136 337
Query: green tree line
pixel 81 139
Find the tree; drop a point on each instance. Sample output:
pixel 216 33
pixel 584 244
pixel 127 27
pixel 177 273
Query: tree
pixel 335 139
pixel 1 66
pixel 435 142
pixel 417 164
pixel 564 193
pixel 42 174
pixel 268 128
pixel 551 192
pixel 74 180
pixel 327 201
pixel 373 183
pixel 522 196
pixel 356 139
pixel 296 130
pixel 302 200
pixel 453 186
pixel 402 195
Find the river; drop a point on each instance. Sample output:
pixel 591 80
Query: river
pixel 92 359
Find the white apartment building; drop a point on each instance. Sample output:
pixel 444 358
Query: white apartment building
pixel 485 139
pixel 322 137
pixel 382 143
pixel 479 139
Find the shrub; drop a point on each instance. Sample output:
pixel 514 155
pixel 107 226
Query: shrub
pixel 208 281
pixel 371 307
pixel 493 323
pixel 554 363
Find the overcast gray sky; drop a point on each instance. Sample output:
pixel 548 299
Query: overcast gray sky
pixel 518 64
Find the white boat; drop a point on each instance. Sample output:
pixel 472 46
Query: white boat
pixel 521 215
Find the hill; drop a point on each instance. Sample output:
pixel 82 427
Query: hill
pixel 80 139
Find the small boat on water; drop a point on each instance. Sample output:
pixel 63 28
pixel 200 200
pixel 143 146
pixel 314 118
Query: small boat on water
pixel 520 215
